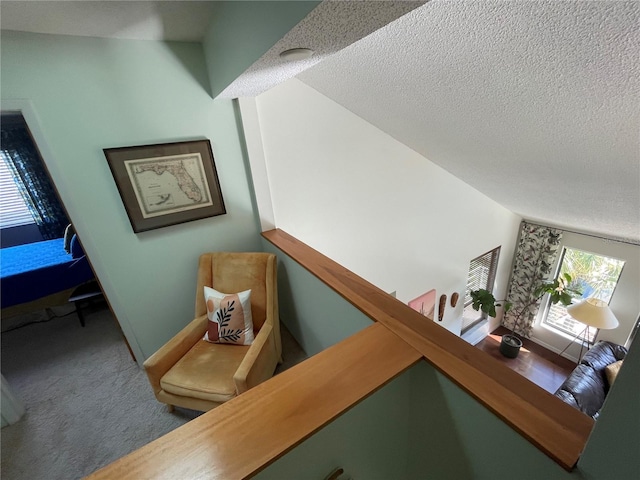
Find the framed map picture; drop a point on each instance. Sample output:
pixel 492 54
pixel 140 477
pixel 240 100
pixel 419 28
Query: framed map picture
pixel 166 184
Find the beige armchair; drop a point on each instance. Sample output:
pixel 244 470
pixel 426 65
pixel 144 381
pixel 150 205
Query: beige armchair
pixel 193 373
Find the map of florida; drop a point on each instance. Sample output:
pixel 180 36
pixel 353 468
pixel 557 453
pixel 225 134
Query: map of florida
pixel 177 169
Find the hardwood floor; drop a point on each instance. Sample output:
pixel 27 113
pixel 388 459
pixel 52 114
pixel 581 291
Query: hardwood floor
pixel 544 368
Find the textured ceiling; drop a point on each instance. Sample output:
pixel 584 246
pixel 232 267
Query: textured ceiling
pixel 330 27
pixel 535 104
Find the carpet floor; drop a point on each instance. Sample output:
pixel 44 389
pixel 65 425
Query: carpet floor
pixel 87 402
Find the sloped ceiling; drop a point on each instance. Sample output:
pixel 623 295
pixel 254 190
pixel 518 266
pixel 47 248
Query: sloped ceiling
pixel 330 27
pixel 534 103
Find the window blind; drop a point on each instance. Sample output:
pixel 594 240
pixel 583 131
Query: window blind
pixel 482 273
pixel 13 209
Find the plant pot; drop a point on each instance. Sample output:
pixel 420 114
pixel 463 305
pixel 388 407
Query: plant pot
pixel 510 346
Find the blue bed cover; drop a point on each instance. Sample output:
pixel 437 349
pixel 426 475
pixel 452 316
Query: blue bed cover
pixel 35 270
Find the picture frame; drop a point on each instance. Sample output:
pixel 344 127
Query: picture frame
pixel 425 303
pixel 166 184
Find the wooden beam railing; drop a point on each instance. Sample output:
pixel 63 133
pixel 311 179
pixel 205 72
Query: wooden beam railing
pixel 243 436
pixel 556 428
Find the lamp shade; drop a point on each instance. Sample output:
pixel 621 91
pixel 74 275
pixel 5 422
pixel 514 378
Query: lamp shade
pixel 594 313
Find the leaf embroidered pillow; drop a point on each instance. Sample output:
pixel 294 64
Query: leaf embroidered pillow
pixel 229 317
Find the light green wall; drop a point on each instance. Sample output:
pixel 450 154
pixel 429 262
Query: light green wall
pixel 370 441
pixel 490 448
pixel 435 445
pixel 89 94
pixel 241 32
pixel 453 436
pixel 314 314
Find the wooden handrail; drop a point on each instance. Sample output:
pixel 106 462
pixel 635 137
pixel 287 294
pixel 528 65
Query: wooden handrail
pixel 272 418
pixel 556 428
pixel 241 437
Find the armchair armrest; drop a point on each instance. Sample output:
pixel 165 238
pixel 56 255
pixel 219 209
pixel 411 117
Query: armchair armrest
pixel 158 364
pixel 260 361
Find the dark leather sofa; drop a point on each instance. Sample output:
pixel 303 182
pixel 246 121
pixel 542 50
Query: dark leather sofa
pixel 587 386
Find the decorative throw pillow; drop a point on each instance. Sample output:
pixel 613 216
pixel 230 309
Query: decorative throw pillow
pixel 611 371
pixel 229 317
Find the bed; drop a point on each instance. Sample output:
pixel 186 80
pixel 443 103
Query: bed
pixel 40 275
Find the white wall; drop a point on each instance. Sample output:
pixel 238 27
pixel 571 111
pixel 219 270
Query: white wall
pixel 370 203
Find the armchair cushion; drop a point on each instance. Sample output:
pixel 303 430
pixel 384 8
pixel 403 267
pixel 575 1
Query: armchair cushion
pixel 206 372
pixel 229 315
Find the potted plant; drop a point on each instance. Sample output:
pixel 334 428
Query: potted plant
pixel 484 300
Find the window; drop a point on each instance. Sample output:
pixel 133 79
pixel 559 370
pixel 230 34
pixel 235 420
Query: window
pixel 482 274
pixel 27 182
pixel 13 209
pixel 595 276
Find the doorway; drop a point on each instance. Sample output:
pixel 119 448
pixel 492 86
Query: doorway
pixel 43 263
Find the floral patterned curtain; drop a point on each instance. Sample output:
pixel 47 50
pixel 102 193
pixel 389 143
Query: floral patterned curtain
pixel 32 179
pixel 536 252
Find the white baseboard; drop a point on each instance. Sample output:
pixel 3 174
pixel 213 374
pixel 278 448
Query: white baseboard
pixel 12 407
pixel 553 349
pixel 477 333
